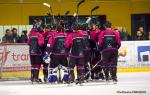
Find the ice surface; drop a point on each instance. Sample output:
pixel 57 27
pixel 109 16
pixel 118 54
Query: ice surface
pixel 127 82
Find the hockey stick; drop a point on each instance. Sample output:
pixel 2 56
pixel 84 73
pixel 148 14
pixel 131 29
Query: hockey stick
pixel 67 12
pixel 93 68
pixel 65 16
pixel 89 71
pixel 89 18
pixel 66 19
pixel 50 8
pixel 95 8
pixel 78 5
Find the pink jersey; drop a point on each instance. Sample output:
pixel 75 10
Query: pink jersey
pixel 33 33
pixel 70 37
pixel 109 32
pixel 76 41
pixel 94 34
pixel 53 35
pixel 49 34
pixel 86 38
pixel 83 32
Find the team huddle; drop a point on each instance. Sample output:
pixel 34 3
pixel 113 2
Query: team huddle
pixel 93 52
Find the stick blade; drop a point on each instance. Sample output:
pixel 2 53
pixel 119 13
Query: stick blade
pixel 67 12
pixel 95 8
pixel 82 1
pixel 47 5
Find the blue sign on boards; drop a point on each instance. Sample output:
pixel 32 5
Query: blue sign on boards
pixel 143 53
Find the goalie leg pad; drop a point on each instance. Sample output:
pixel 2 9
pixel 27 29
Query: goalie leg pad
pixel 66 77
pixel 52 78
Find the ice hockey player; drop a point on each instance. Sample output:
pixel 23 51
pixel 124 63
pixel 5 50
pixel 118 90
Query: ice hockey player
pixel 56 49
pixel 109 43
pixel 87 50
pixel 75 44
pixel 93 38
pixel 35 42
pixel 96 73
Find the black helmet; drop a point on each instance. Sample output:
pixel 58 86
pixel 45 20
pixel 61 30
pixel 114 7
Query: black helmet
pixel 38 25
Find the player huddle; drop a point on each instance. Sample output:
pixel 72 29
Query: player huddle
pixel 93 52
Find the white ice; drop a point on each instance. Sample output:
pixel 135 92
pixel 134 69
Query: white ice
pixel 127 82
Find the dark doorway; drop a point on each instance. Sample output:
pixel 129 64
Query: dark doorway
pixel 140 20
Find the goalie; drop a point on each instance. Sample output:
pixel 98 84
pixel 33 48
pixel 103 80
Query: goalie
pixel 56 52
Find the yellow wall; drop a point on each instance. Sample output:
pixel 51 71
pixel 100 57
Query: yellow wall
pixel 118 12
